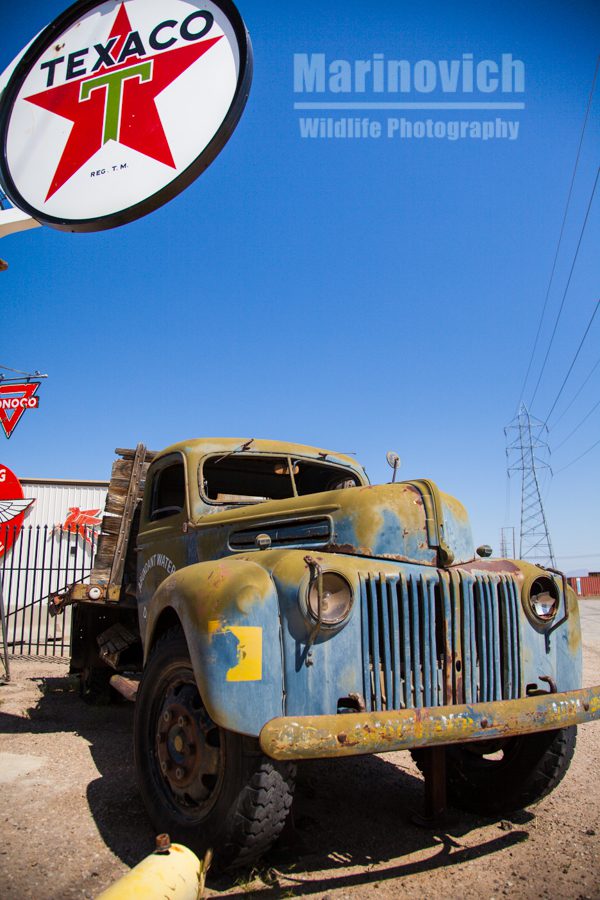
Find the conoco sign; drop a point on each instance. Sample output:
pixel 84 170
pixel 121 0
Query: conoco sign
pixel 117 106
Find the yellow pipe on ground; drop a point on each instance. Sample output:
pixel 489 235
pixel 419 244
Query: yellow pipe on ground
pixel 175 873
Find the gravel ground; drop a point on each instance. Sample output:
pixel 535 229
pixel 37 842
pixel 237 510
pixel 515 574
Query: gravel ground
pixel 71 819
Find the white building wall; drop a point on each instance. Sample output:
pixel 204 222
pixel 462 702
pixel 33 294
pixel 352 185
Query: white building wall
pixel 53 499
pixel 45 560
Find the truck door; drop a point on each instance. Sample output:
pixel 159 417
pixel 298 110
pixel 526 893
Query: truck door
pixel 162 539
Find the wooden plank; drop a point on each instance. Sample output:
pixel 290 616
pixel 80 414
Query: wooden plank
pixel 130 454
pixel 111 525
pixel 109 542
pixel 101 576
pixel 121 469
pixel 115 505
pixel 119 486
pixel 137 473
pixel 105 555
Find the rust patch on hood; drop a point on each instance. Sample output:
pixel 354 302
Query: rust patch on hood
pixel 500 566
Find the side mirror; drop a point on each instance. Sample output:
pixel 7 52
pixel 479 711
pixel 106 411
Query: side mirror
pixel 393 460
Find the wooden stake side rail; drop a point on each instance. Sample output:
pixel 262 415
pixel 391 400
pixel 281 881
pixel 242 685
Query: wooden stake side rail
pixel 125 491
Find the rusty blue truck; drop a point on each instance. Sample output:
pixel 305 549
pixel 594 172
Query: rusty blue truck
pixel 265 604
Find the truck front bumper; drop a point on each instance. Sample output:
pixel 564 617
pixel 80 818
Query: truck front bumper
pixel 350 734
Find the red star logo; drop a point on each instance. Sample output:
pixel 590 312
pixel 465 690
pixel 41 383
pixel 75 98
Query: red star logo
pixel 117 102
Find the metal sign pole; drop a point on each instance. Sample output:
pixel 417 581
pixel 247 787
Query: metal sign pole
pixel 4 642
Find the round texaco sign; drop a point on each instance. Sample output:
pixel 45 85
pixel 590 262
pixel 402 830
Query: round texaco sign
pixel 119 105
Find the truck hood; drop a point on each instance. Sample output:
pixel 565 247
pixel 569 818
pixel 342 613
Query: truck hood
pixel 411 521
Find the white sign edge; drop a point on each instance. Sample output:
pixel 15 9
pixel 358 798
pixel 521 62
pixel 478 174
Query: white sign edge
pixel 14 220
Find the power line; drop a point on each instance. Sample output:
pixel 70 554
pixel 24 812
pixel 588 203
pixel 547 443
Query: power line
pixel 580 556
pixel 562 228
pixel 567 408
pixel 564 296
pixel 577 427
pixel 577 458
pixel 574 360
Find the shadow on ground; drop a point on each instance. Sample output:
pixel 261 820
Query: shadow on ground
pixel 357 813
pixel 349 813
pixel 113 798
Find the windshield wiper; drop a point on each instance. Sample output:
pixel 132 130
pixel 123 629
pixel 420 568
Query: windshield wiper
pixel 240 449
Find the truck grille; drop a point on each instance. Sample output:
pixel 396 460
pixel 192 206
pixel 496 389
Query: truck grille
pixel 439 639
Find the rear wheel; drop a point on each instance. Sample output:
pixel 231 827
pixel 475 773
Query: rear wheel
pixel 495 777
pixel 206 786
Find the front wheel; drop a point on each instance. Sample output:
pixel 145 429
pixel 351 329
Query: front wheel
pixel 496 777
pixel 205 786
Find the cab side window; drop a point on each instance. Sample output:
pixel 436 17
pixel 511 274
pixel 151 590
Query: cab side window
pixel 168 492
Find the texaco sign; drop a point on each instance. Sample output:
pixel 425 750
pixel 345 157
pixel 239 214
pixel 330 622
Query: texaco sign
pixel 118 106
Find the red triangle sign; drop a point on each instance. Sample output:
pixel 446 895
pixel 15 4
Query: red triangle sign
pixel 14 400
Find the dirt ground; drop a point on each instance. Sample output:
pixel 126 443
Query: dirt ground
pixel 71 820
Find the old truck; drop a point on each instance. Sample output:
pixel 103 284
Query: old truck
pixel 265 604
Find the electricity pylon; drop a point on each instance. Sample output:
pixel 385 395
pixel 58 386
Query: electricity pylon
pixel 524 455
pixel 507 542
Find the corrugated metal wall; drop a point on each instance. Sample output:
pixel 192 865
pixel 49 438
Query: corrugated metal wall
pixel 53 499
pixel 586 585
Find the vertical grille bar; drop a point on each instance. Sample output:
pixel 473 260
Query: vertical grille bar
pixel 496 598
pixel 481 634
pixel 515 644
pixel 448 661
pixel 472 637
pixel 364 607
pixel 374 616
pixel 394 599
pixel 494 640
pixel 508 672
pixel 405 644
pixel 435 679
pixel 415 641
pixel 469 647
pixel 458 662
pixel 386 638
pixel 488 632
pixel 492 587
pixel 426 642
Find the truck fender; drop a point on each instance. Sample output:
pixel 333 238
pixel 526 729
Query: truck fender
pixel 229 613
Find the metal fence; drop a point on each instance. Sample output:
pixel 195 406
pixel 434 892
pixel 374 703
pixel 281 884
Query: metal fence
pixel 42 561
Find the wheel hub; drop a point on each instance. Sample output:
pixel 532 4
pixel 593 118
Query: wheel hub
pixel 187 746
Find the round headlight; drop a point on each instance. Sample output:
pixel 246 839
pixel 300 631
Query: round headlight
pixel 544 598
pixel 336 599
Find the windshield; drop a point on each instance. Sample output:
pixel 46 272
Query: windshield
pixel 247 478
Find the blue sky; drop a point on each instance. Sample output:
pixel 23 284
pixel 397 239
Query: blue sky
pixel 359 295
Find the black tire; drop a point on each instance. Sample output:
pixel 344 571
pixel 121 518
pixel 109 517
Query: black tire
pixel 497 777
pixel 205 786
